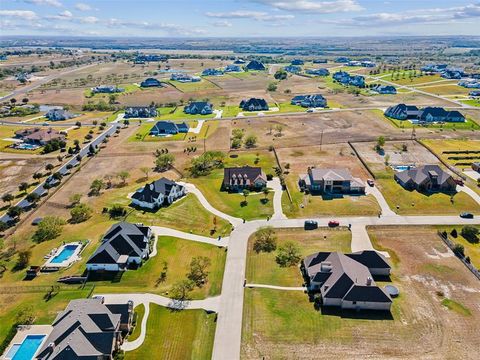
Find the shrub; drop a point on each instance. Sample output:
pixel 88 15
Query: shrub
pixel 80 213
pixel 49 228
pixel 265 240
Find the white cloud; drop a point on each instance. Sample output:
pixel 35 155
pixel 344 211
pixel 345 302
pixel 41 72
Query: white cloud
pixel 64 15
pixel 222 23
pixel 83 7
pixel 19 14
pixel 171 29
pixel 255 15
pixel 322 7
pixel 54 3
pixel 88 20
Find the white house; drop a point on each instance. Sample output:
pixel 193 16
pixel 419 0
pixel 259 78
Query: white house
pixel 158 193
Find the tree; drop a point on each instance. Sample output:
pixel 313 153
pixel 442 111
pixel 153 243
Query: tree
pixel 14 211
pixel 470 233
pixel 164 162
pixel 459 249
pixel 49 228
pixel 23 259
pixel 80 213
pixel 96 186
pixel 37 176
pixel 288 254
pixel 250 141
pixel 8 198
pixel 279 129
pixel 123 175
pixel 380 143
pixel 245 194
pixel 206 162
pixel 145 170
pixel 23 187
pixel 272 87
pixel 49 167
pixel 280 75
pixel 265 240
pixel 117 211
pixel 75 199
pixel 198 270
pixel 236 143
pixel 266 191
pixel 181 289
pixel 33 198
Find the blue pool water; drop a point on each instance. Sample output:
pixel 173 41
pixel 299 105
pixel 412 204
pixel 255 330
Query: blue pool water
pixel 65 254
pixel 403 167
pixel 27 146
pixel 28 347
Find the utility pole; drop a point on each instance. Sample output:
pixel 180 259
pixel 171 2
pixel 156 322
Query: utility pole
pixel 321 140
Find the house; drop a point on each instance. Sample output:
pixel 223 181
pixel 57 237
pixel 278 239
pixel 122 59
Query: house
pixel 58 115
pixel 87 329
pixel 346 79
pixel 342 59
pixel 184 78
pixel 255 65
pixel 320 61
pixel 212 72
pixel 198 108
pixel 235 178
pixel 140 112
pixel 318 72
pixel 158 193
pixel 123 245
pixel 151 82
pixel 474 93
pixel 254 104
pixel 239 62
pixel 452 74
pixel 39 136
pixel 168 128
pixel 402 112
pixel 438 114
pixel 309 101
pixel 150 57
pixel 476 166
pixel 384 89
pixel 434 67
pixel 294 69
pixel 106 89
pixel 330 181
pixel 470 83
pixel 232 68
pixel 426 178
pixel 346 280
pixel 297 62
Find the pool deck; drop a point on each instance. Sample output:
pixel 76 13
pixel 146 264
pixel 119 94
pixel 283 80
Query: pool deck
pixel 23 331
pixel 73 258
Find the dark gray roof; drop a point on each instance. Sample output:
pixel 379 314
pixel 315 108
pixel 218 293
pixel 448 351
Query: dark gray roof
pixel 331 174
pixel 419 174
pixel 150 192
pixel 246 172
pixel 370 258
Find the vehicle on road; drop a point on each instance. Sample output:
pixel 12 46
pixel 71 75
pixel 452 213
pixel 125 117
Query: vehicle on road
pixel 310 225
pixel 333 223
pixel 466 215
pixel 370 182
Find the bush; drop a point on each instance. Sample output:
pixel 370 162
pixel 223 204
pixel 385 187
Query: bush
pixel 470 233
pixel 288 254
pixel 265 240
pixel 459 250
pixel 80 213
pixel 117 211
pixel 49 228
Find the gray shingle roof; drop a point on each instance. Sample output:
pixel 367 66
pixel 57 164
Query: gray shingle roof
pixel 150 192
pixel 419 174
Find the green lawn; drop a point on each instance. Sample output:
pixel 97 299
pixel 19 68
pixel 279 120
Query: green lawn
pixel 471 250
pixel 193 86
pixel 263 269
pixel 7 131
pixel 416 80
pixel 231 203
pixel 456 307
pixel 472 102
pixel 140 313
pixel 229 111
pixel 181 335
pixel 177 253
pixel 142 134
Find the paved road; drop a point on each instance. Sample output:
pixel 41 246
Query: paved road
pixel 380 199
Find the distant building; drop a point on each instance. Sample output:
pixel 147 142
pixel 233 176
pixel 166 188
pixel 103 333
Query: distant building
pixel 426 178
pixel 346 280
pixel 106 89
pixel 212 72
pixel 151 82
pixel 239 62
pixel 342 59
pixel 255 65
pixel 434 67
pixel 330 181
pixel 362 63
pixel 318 72
pixel 402 112
pixel 158 193
pixel 123 245
pixel 297 62
pixel 438 114
pixel 58 115
pixel 140 112
pixel 150 57
pixel 184 78
pixel 168 128
pixel 39 136
pixel 309 101
pixel 474 93
pixel 235 178
pixel 254 104
pixel 320 61
pixel 346 79
pixel 476 166
pixel 452 74
pixel 198 108
pixel 294 69
pixel 384 89
pixel 470 83
pixel 232 68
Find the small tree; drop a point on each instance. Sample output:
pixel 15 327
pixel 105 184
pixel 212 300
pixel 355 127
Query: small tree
pixel 470 233
pixel 265 240
pixel 459 249
pixel 80 213
pixel 23 187
pixel 23 259
pixel 117 211
pixel 123 175
pixel 250 141
pixel 245 194
pixel 8 198
pixel 14 211
pixel 145 170
pixel 288 254
pixel 198 270
pixel 380 143
pixel 181 289
pixel 279 129
pixel 96 186
pixel 164 162
pixel 266 191
pixel 33 198
pixel 49 167
pixel 49 228
pixel 272 87
pixel 75 199
pixel 37 176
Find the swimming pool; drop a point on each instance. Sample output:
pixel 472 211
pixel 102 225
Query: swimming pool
pixel 65 254
pixel 403 167
pixel 27 349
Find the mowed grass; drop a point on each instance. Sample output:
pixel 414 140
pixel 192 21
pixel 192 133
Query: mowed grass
pixel 140 313
pixel 314 205
pixel 415 80
pixel 231 203
pixel 472 102
pixel 193 86
pixel 440 145
pixel 472 250
pixel 177 254
pixel 456 307
pixel 263 269
pixel 444 89
pixel 180 335
pixel 7 131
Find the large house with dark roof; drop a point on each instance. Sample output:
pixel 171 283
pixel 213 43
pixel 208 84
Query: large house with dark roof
pixel 87 329
pixel 151 82
pixel 347 79
pixel 255 65
pixel 318 72
pixel 158 193
pixel 184 78
pixel 297 62
pixel 198 108
pixel 426 178
pixel 384 89
pixel 39 136
pixel 235 178
pixel 162 128
pixel 330 181
pixel 438 114
pixel 140 112
pixel 123 245
pixel 58 115
pixel 346 280
pixel 106 89
pixel 309 101
pixel 254 104
pixel 212 72
pixel 402 112
pixel 293 69
pixel 232 68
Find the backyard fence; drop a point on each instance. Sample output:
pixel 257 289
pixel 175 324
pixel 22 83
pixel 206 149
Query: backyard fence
pixel 462 258
pixel 361 160
pixel 281 171
pixel 450 167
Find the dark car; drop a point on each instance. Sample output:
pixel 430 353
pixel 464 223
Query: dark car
pixel 466 215
pixel 310 225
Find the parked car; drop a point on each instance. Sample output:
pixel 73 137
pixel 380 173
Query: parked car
pixel 370 182
pixel 459 182
pixel 466 215
pixel 333 223
pixel 310 225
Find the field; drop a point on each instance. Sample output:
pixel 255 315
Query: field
pixel 177 335
pixel 262 268
pixel 437 296
pixel 472 250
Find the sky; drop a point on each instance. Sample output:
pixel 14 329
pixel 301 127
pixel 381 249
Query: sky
pixel 239 18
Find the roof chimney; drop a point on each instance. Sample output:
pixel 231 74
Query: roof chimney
pixel 369 281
